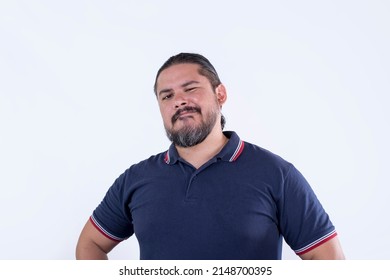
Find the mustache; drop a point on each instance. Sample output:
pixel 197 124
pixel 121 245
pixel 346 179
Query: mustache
pixel 188 109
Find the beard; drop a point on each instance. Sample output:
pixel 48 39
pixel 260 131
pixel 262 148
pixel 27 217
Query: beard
pixel 191 135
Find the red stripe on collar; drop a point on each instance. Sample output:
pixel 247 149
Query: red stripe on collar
pixel 166 158
pixel 238 151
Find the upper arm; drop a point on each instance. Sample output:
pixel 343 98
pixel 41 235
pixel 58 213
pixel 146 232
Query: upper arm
pixel 92 244
pixel 305 224
pixel 330 250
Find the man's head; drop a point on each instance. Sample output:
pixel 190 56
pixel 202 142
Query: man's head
pixel 190 97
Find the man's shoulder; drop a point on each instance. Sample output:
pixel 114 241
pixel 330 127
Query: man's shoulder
pixel 264 156
pixel 156 160
pixel 152 165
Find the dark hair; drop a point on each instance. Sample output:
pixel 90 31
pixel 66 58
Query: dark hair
pixel 206 68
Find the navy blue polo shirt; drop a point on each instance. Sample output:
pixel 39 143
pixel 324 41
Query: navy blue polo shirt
pixel 238 205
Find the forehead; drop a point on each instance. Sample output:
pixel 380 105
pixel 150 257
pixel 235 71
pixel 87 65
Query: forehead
pixel 178 74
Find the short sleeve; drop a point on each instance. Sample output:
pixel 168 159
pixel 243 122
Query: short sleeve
pixel 112 217
pixel 304 222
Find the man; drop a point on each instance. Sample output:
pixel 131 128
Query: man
pixel 211 195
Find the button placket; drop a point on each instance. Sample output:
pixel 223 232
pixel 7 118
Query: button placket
pixel 192 191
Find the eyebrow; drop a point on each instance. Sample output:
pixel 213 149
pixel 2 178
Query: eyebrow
pixel 189 83
pixel 186 84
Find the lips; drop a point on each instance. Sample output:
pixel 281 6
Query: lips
pixel 184 111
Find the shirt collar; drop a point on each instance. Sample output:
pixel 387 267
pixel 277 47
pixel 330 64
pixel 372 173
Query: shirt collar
pixel 229 153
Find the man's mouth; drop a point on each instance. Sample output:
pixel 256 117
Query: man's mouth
pixel 184 111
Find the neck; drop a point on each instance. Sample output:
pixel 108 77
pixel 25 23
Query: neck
pixel 203 152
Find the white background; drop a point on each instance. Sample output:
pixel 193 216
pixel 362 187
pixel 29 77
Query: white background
pixel 308 80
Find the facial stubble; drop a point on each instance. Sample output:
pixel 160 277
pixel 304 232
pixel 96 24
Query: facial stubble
pixel 191 134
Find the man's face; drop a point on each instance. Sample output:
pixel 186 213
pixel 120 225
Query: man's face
pixel 188 104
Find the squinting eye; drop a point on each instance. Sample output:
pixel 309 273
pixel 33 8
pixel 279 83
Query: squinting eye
pixel 168 96
pixel 190 89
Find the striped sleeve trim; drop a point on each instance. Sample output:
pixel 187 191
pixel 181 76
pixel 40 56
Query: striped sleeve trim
pixel 316 243
pixel 103 231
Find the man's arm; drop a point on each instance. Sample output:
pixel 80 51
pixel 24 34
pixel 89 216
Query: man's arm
pixel 93 245
pixel 330 250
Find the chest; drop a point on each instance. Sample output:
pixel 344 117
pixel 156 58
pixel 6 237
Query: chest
pixel 178 203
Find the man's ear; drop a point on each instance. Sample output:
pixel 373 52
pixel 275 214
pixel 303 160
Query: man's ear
pixel 221 94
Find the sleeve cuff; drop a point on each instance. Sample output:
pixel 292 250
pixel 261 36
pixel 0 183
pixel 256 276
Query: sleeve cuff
pixel 316 243
pixel 102 230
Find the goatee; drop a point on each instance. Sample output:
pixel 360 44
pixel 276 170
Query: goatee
pixel 191 135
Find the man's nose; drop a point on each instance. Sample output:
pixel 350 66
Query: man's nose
pixel 180 100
